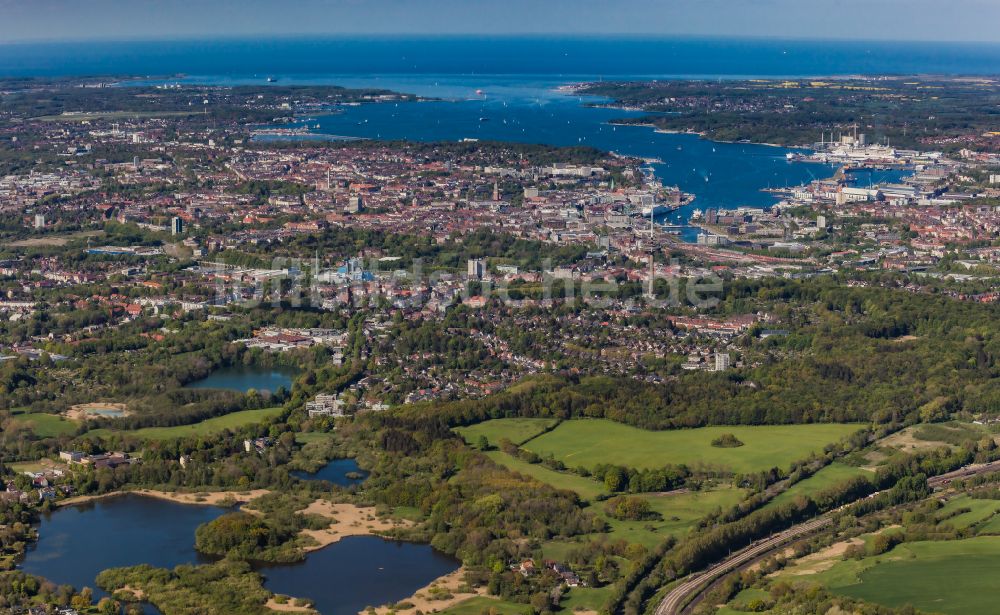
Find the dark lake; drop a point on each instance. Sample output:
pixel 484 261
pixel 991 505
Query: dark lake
pixel 242 378
pixel 335 472
pixel 78 542
pixel 359 571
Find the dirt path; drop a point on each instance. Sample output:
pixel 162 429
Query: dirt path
pixel 823 560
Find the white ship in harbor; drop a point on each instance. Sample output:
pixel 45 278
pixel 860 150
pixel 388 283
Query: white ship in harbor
pixel 662 201
pixel 657 210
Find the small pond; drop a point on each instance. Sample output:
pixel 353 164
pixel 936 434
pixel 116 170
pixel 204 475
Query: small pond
pixel 336 472
pixel 242 378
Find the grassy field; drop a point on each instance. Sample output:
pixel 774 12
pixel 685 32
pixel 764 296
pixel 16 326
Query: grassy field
pixel 515 430
pixel 305 437
pixel 586 488
pixel 481 604
pixel 679 513
pixel 585 598
pixel 951 577
pixel 52 240
pixel 990 527
pixel 740 601
pixel 28 466
pixel 979 510
pixel 588 442
pixel 45 425
pixel 824 479
pixel 206 427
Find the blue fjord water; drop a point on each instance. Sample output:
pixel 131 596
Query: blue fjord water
pixel 519 76
pixel 532 109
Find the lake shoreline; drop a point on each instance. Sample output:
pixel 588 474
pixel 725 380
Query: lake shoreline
pixel 347 520
pixel 200 498
pixel 422 601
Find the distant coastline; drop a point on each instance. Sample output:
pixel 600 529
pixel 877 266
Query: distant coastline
pixel 582 56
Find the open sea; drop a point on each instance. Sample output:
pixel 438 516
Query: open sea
pixel 537 55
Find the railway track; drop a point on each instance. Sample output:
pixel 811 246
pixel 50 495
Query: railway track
pixel 678 599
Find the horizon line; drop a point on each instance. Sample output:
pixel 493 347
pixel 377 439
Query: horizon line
pixel 346 36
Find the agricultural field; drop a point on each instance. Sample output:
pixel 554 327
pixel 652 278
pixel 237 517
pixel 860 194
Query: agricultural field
pixel 213 425
pixel 824 479
pixel 952 577
pixel 589 442
pixel 587 488
pixel 44 425
pixel 517 431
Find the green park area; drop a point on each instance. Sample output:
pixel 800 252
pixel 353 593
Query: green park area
pixel 517 431
pixel 676 514
pixel 590 442
pixel 44 425
pixel 831 475
pixel 576 599
pixel 587 488
pixel 210 426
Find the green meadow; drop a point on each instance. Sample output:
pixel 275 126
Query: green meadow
pixel 589 442
pixel 586 488
pixel 679 512
pixel 482 604
pixel 515 430
pixel 214 425
pixel 824 479
pixel 45 425
pixel 953 577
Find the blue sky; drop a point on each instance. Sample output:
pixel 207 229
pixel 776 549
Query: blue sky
pixel 952 20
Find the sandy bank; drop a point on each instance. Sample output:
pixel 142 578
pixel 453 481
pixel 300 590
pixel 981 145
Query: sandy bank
pixel 213 498
pixel 287 607
pixel 433 597
pixel 349 520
